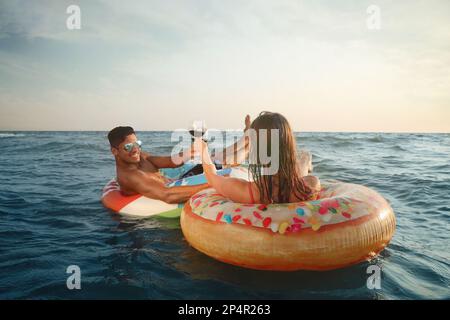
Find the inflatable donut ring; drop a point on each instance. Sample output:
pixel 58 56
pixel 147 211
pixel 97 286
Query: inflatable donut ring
pixel 348 224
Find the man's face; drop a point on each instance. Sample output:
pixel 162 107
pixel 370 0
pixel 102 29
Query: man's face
pixel 133 156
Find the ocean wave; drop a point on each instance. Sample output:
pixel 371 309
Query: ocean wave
pixel 340 140
pixel 376 139
pixel 398 148
pixel 11 135
pixel 62 147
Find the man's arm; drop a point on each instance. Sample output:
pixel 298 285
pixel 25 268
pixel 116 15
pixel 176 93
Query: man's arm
pixel 167 161
pixel 156 189
pixel 163 162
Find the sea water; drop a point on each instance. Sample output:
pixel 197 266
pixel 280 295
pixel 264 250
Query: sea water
pixel 51 218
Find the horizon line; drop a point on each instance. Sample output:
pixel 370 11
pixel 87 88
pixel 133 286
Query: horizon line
pixel 385 132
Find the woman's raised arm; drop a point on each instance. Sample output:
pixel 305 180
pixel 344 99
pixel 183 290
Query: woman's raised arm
pixel 237 190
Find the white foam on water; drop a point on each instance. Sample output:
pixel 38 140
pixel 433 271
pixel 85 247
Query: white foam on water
pixel 11 135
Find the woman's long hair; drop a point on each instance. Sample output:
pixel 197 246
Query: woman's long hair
pixel 287 177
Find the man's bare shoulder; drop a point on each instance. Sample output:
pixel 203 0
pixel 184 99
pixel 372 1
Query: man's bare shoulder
pixel 145 156
pixel 129 179
pixel 146 164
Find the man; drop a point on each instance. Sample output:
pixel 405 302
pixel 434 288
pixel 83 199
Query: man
pixel 138 171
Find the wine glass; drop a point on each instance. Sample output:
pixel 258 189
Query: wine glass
pixel 198 129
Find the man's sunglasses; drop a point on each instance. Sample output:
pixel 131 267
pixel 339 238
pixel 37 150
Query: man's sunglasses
pixel 129 146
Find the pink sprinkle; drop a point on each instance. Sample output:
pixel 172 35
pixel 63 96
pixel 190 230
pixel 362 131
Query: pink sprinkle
pixel 198 196
pixel 257 215
pixel 295 228
pixel 297 220
pixel 335 204
pixel 236 218
pixel 347 215
pixel 324 204
pixel 266 222
pixel 219 216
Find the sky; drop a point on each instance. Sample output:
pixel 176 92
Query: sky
pixel 159 65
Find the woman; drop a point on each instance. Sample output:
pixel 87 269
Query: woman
pixel 285 185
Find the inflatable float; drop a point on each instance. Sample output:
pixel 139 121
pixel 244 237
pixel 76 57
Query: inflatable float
pixel 348 224
pixel 140 206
